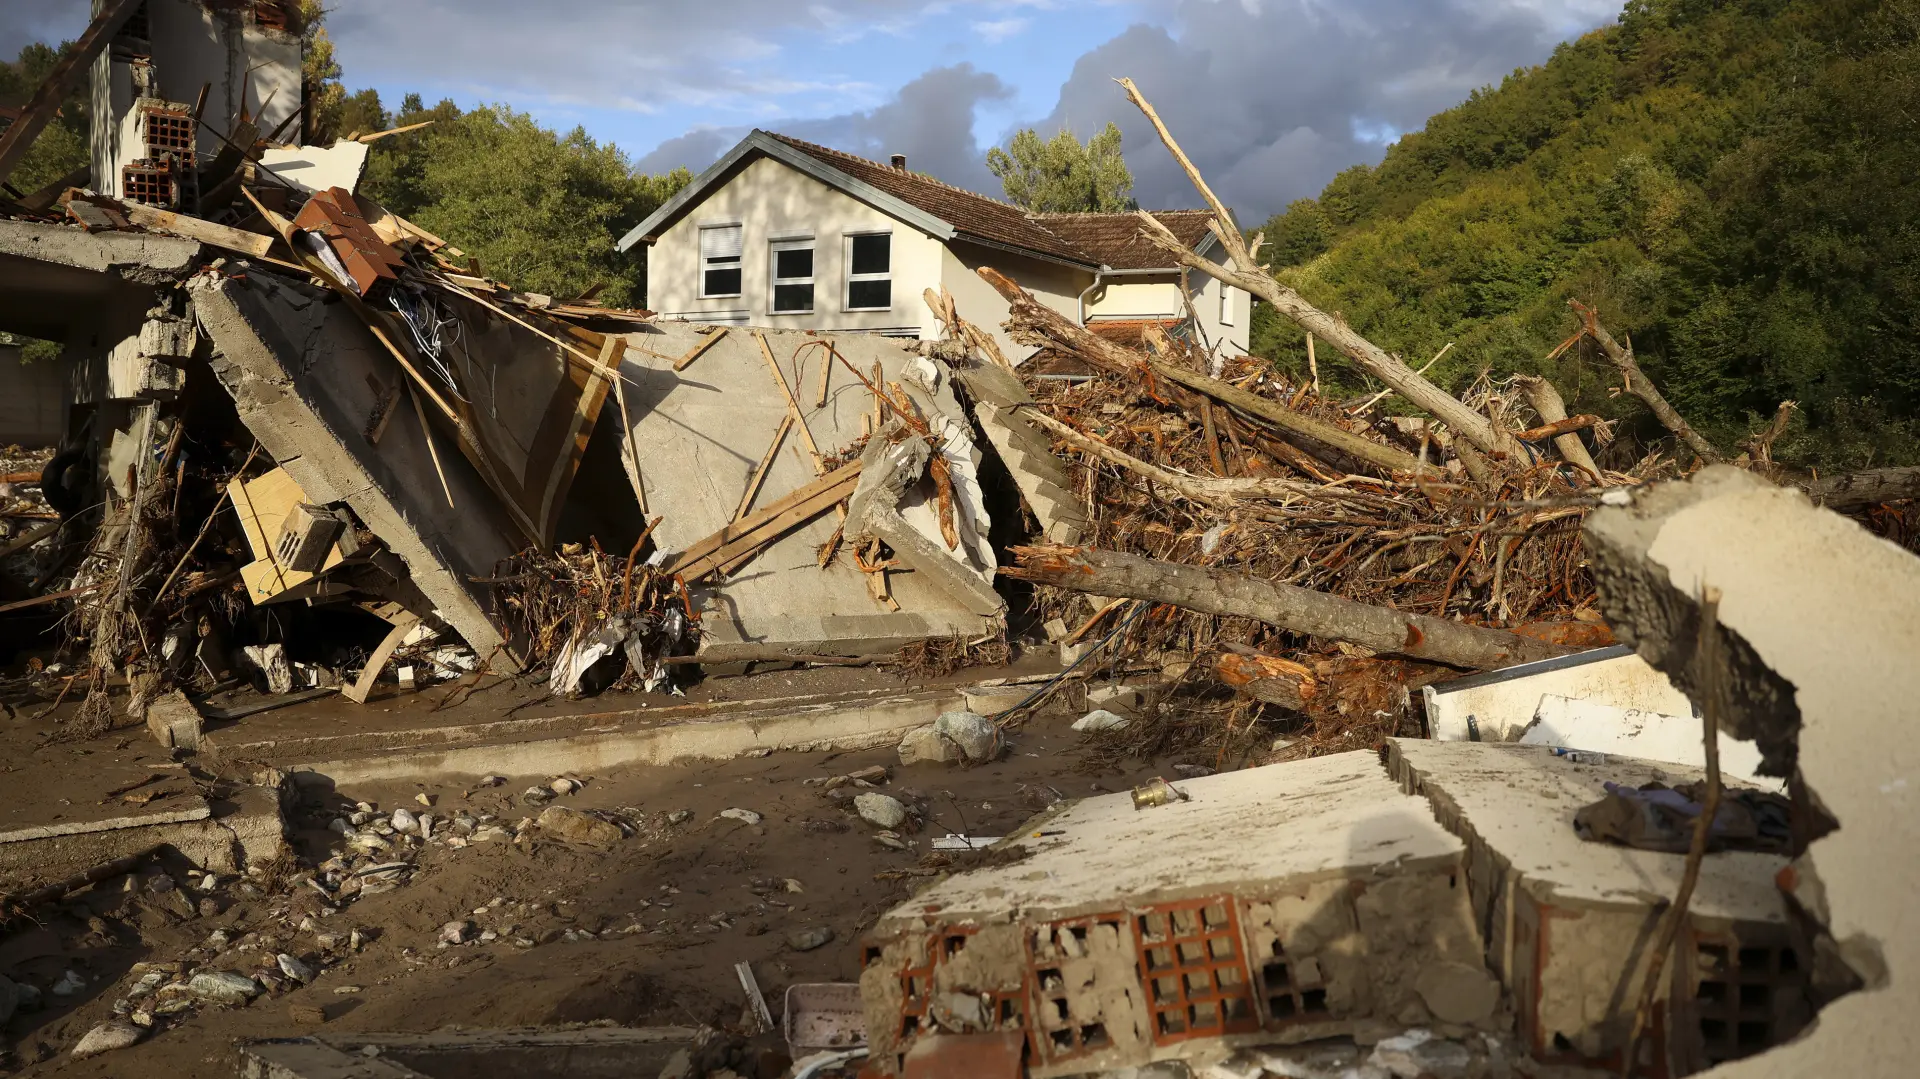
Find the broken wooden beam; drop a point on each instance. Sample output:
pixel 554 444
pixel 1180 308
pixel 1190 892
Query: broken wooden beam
pixel 1288 607
pixel 757 530
pixel 39 109
pixel 1042 324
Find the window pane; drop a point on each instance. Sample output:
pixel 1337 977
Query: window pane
pixel 722 282
pixel 870 294
pixel 871 254
pixel 722 242
pixel 793 297
pixel 795 262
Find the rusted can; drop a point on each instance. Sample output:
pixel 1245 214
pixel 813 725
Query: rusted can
pixel 1157 792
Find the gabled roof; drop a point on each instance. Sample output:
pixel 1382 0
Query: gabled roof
pixel 970 214
pixel 1115 241
pixel 1094 241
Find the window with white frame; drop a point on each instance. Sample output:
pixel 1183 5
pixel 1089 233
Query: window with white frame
pixel 1226 304
pixel 720 247
pixel 792 276
pixel 870 271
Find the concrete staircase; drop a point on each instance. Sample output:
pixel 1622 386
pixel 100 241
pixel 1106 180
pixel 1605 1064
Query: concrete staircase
pixel 1026 450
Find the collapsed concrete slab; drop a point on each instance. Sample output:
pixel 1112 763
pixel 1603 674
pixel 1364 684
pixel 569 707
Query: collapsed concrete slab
pixel 709 420
pixel 1819 622
pixel 223 835
pixel 1569 923
pixel 306 378
pixel 1276 904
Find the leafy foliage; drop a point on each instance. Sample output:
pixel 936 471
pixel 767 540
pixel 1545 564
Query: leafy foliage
pixel 538 209
pixel 1732 182
pixel 61 146
pixel 1064 175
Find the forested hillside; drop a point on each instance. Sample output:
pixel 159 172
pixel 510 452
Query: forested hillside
pixel 1732 182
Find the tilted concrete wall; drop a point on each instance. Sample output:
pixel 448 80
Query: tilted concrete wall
pixel 306 376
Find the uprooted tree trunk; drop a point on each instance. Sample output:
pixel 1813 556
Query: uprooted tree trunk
pixel 1032 322
pixel 1243 272
pixel 1638 384
pixel 1288 607
pixel 1851 490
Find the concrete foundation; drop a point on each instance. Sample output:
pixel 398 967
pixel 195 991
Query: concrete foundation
pixel 1819 623
pixel 1569 923
pixel 595 1053
pixel 594 740
pixel 223 836
pixel 1278 904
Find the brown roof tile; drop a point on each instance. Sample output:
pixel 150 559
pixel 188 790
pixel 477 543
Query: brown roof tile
pixel 966 211
pixel 1115 240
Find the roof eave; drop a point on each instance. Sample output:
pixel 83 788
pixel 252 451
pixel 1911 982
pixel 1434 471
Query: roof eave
pixel 798 160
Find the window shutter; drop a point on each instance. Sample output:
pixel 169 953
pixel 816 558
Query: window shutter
pixel 725 242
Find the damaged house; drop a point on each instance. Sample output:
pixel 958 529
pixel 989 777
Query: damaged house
pixel 784 233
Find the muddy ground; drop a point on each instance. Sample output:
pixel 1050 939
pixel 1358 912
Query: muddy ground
pixel 646 932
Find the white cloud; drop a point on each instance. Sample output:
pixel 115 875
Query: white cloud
pixel 998 30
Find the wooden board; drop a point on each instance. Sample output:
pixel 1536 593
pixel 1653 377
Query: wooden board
pixel 263 505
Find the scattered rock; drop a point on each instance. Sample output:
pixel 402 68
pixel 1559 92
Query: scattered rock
pixel 30 996
pixel 680 816
pixel 974 733
pixel 491 833
pixel 574 826
pixel 1456 992
pixel 1417 1054
pixel 306 1014
pixel 806 940
pixel 492 781
pixel 424 799
pixel 924 745
pixel 223 987
pixel 534 796
pixel 892 841
pixel 874 773
pixel 881 810
pixel 107 1037
pixel 744 816
pixel 565 786
pixel 1100 720
pixel 457 932
pixel 404 821
pixel 294 968
pixel 70 983
pixel 1192 771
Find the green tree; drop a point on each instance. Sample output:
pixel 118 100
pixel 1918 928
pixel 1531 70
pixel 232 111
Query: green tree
pixel 1064 175
pixel 1732 182
pixel 540 210
pixel 61 146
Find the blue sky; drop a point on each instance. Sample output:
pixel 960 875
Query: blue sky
pixel 1271 97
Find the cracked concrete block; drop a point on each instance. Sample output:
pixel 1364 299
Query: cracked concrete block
pixel 1278 905
pixel 1819 622
pixel 888 469
pixel 174 722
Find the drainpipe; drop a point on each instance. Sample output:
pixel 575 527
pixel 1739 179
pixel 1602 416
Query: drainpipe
pixel 1097 276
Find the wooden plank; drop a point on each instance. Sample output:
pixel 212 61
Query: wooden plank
pixel 39 109
pixel 693 353
pixel 403 621
pixel 743 550
pixel 739 537
pixel 793 403
pixel 766 461
pixel 247 243
pixel 21 543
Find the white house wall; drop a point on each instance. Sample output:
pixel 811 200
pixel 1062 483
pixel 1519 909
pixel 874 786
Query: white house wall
pixel 771 200
pixel 1053 284
pixel 193 46
pixel 1136 297
pixel 1232 340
